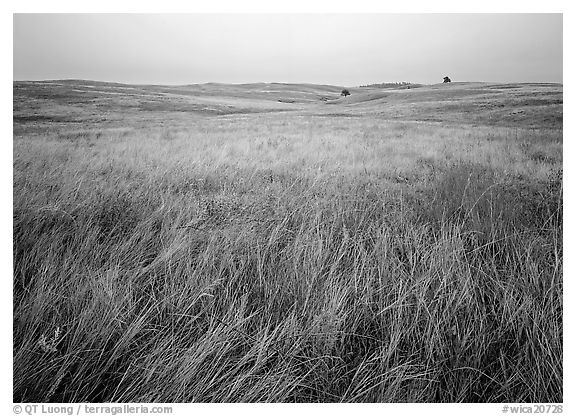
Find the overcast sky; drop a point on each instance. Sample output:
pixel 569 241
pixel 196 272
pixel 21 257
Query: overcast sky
pixel 347 50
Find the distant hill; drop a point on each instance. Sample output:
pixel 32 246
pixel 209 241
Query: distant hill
pixel 392 85
pixel 480 103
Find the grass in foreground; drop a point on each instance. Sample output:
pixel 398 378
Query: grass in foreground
pixel 308 262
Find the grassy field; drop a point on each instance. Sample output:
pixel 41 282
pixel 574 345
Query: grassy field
pixel 280 243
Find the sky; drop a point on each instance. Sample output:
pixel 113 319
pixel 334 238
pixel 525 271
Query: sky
pixel 337 49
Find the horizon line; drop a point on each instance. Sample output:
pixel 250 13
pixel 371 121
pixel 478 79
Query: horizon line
pixel 283 83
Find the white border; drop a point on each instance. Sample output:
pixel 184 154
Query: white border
pixel 294 6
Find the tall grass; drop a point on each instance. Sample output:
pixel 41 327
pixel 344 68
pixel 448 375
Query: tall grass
pixel 177 273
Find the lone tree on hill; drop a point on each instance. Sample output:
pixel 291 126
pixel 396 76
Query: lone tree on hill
pixel 345 93
pixel 446 79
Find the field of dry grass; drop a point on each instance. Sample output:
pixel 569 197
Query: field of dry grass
pixel 274 242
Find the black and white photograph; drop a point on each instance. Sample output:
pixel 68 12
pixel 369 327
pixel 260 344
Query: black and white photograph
pixel 287 208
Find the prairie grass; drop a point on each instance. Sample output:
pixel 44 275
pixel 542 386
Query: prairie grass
pixel 296 259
